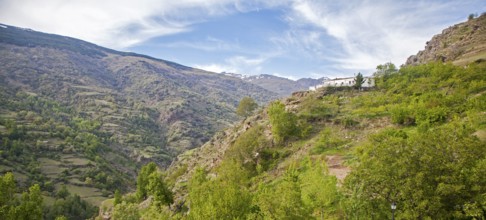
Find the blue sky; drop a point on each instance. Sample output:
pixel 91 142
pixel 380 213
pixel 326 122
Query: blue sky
pixel 289 38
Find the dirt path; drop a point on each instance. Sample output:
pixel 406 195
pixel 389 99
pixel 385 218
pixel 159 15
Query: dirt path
pixel 336 167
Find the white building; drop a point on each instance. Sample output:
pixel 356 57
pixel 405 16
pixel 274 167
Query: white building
pixel 341 82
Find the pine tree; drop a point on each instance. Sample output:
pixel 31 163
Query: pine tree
pixel 359 80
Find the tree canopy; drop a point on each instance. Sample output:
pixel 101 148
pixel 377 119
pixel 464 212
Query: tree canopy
pixel 246 107
pixel 359 80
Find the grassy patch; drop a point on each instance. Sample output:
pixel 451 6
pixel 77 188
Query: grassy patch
pixel 83 191
pixel 95 200
pixel 4 169
pixel 48 201
pixel 76 160
pixel 20 177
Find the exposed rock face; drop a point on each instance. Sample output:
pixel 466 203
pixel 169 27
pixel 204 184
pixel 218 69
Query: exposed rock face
pixel 461 44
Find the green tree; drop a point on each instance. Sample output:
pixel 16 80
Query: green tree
pixel 245 147
pixel 126 211
pixel 431 174
pixel 71 207
pixel 63 192
pixel 282 201
pixel 226 197
pixel 319 191
pixel 284 124
pixel 117 197
pixel 7 188
pixel 7 199
pixel 246 107
pixel 31 204
pixel 158 212
pixel 158 189
pixel 143 180
pixel 383 72
pixel 359 80
pixel 471 16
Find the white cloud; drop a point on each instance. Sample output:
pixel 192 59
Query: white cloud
pixel 291 77
pixel 209 44
pixel 116 23
pixel 345 36
pixel 372 32
pixel 238 64
pixel 216 68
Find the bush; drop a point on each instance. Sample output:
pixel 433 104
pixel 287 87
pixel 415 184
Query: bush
pixel 284 124
pixel 402 115
pixel 327 141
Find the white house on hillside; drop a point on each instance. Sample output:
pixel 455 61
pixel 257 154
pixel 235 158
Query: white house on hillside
pixel 341 82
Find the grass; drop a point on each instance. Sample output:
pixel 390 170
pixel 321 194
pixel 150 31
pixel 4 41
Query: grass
pixel 89 94
pixel 76 181
pixel 470 59
pixel 107 204
pixel 75 160
pixel 95 200
pixel 52 171
pixel 83 191
pixel 103 102
pixel 20 177
pixel 4 169
pixel 48 201
pixel 79 161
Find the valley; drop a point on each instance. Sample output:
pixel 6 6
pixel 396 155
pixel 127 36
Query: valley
pixel 90 132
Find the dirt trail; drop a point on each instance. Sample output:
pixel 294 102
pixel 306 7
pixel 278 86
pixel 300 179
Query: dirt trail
pixel 336 167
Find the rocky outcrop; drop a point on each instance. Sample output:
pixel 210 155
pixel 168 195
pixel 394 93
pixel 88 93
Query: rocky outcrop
pixel 461 44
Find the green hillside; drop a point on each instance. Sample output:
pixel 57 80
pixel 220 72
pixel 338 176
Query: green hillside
pixel 417 140
pixel 78 115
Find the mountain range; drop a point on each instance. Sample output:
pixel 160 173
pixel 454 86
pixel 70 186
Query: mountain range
pixel 280 85
pixel 59 91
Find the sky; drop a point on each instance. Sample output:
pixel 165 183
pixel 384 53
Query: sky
pixel 288 38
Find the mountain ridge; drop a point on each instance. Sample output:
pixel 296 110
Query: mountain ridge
pixel 65 99
pixel 280 85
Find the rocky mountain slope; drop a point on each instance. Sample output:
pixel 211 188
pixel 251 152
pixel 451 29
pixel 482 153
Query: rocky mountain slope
pixel 77 113
pixel 461 44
